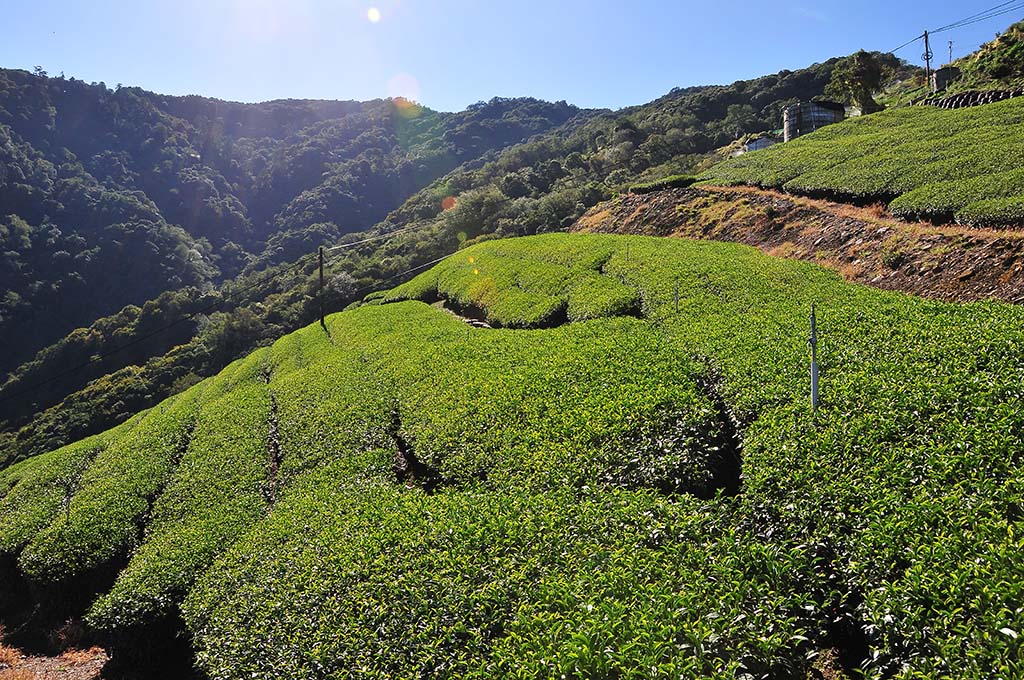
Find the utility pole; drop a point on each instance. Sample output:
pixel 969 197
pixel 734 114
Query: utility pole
pixel 814 359
pixel 928 61
pixel 321 296
pixel 950 52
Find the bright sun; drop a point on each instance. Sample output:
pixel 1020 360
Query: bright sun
pixel 373 14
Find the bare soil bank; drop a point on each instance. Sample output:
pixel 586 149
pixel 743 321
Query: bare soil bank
pixel 866 245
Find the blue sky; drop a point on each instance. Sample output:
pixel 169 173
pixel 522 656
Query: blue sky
pixel 450 53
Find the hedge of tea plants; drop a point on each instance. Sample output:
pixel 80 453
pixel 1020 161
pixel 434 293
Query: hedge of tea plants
pixel 927 162
pixel 518 291
pixel 671 182
pixel 407 495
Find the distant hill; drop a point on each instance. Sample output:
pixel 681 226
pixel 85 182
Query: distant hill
pixel 112 197
pixel 542 184
pixel 999 63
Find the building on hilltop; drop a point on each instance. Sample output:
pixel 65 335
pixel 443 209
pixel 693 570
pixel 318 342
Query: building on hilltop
pixel 805 117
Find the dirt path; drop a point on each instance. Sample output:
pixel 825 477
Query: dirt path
pixel 75 664
pixel 863 244
pixel 72 664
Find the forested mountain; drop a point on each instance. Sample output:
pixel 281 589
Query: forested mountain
pixel 111 197
pixel 284 177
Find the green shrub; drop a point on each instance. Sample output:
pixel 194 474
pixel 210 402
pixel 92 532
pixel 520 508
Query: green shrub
pixel 994 211
pixel 542 288
pixel 214 496
pixel 102 520
pixel 672 182
pixel 453 501
pixel 41 489
pixel 928 162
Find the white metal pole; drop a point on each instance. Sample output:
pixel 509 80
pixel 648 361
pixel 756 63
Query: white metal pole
pixel 814 359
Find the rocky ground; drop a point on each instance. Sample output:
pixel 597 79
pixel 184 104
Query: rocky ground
pixel 948 262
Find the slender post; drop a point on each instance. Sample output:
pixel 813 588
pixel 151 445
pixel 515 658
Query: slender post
pixel 928 61
pixel 677 295
pixel 321 295
pixel 814 359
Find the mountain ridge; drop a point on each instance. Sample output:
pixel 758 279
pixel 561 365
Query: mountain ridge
pixel 545 182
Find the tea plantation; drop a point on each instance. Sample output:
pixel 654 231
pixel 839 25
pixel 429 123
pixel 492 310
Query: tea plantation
pixel 941 164
pixel 604 485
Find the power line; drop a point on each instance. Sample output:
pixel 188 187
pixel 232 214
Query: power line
pixel 376 286
pixel 371 238
pixel 420 266
pixel 912 40
pixel 949 26
pixel 990 13
pixel 985 18
pixel 980 16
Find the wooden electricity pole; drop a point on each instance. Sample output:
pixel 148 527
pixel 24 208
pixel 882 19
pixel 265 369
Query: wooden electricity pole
pixel 321 295
pixel 928 61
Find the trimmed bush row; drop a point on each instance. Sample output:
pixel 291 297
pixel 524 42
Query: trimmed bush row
pixel 525 289
pixel 463 502
pixel 41 489
pixel 934 163
pixel 672 182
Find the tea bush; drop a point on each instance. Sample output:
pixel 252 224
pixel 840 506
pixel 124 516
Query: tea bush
pixel 408 495
pixel 929 162
pixel 672 182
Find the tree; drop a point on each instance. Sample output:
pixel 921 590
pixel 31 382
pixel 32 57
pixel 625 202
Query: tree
pixel 856 78
pixel 740 118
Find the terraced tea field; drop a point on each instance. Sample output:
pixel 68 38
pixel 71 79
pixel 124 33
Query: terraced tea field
pixel 925 162
pixel 607 484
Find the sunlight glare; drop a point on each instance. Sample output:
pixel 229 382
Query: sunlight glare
pixel 404 86
pixel 406 108
pixel 373 14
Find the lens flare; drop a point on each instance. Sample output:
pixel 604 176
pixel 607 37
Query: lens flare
pixel 406 108
pixel 449 202
pixel 472 259
pixel 373 14
pixel 476 271
pixel 404 86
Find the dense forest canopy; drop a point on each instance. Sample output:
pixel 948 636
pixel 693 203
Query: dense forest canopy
pixel 112 197
pixel 229 198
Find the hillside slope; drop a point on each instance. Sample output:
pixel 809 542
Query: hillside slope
pixel 112 197
pixel 866 245
pixel 543 184
pixel 925 162
pixel 613 483
pixel 996 64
